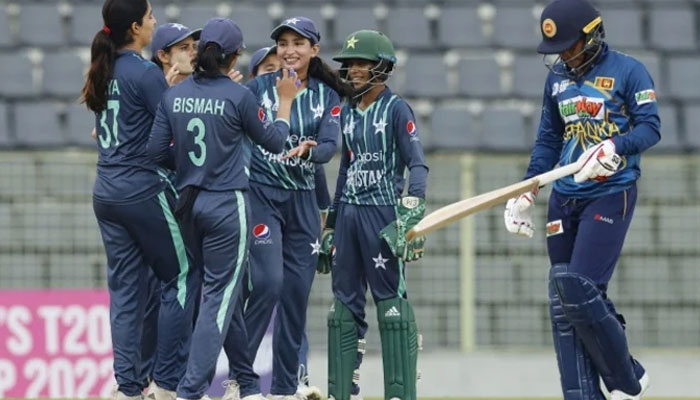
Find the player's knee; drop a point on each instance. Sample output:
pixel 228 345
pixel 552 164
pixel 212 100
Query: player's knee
pixel 580 298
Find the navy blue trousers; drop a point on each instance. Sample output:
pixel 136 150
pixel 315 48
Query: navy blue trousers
pixel 362 258
pixel 286 229
pixel 135 237
pixel 216 230
pixel 586 236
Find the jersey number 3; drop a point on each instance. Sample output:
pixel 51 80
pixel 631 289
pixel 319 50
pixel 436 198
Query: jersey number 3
pixel 106 141
pixel 198 125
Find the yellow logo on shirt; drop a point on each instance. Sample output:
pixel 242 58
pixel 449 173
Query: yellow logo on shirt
pixel 604 83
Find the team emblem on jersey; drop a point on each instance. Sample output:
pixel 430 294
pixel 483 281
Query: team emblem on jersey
pixel 604 83
pixel 554 228
pixel 549 28
pixel 262 234
pixel 645 96
pixel 261 115
pixel 411 128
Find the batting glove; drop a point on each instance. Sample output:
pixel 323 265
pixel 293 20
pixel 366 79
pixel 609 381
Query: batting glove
pixel 411 210
pixel 601 161
pixel 518 214
pixel 325 256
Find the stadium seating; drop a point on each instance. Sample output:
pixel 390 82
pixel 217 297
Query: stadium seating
pixel 256 25
pixel 529 74
pixel 85 22
pixel 194 16
pixel 479 77
pixel 350 18
pixel 684 77
pixel 627 35
pixel 5 139
pixel 408 28
pixel 5 33
pixel 426 75
pixel 672 28
pixel 516 27
pixel 460 27
pixel 63 74
pixel 80 124
pixel 38 124
pixel 41 25
pixel 17 74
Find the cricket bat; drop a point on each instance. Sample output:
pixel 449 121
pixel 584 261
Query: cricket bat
pixel 456 211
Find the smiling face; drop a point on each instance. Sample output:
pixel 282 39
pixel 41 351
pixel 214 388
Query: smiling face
pixel 358 72
pixel 295 51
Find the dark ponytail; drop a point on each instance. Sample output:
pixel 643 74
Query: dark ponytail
pixel 118 16
pixel 210 61
pixel 321 71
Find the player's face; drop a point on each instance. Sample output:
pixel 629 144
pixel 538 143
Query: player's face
pixel 270 64
pixel 358 72
pixel 183 54
pixel 295 51
pixel 573 56
pixel 142 33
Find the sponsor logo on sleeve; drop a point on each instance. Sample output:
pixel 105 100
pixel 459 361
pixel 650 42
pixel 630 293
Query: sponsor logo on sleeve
pixel 554 228
pixel 411 128
pixel 645 96
pixel 261 115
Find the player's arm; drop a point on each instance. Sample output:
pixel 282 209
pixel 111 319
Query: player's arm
pixel 640 99
pixel 328 132
pixel 342 175
pixel 549 143
pixel 323 198
pixel 152 87
pixel 410 149
pixel 271 136
pixel 158 147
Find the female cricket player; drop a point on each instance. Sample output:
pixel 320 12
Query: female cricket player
pixel 265 61
pixel 599 106
pixel 286 223
pixel 132 207
pixel 209 118
pixel 174 47
pixel 380 141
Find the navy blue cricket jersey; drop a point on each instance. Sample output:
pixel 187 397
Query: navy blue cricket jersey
pixel 125 174
pixel 209 122
pixel 315 116
pixel 379 143
pixel 615 99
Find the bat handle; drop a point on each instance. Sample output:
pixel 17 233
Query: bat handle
pixel 410 234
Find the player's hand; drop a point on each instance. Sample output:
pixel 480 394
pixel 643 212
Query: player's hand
pixel 93 134
pixel 235 75
pixel 171 76
pixel 518 214
pixel 411 210
pixel 287 85
pixel 300 151
pixel 601 161
pixel 327 252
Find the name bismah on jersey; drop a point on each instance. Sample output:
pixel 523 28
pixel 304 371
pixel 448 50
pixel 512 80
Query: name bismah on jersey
pixel 359 175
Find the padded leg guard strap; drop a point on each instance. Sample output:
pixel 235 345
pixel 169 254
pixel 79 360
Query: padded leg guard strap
pixel 598 328
pixel 342 351
pixel 397 328
pixel 579 377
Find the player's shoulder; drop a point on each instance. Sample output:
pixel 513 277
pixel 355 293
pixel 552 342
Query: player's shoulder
pixel 625 62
